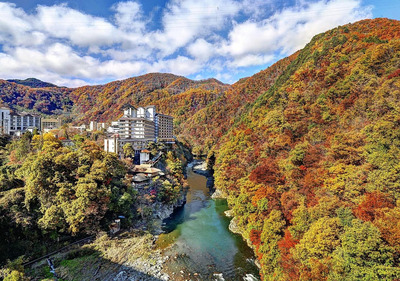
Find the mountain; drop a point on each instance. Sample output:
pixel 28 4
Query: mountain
pixel 311 167
pixel 217 117
pixel 40 100
pixel 104 102
pixel 32 82
pixel 306 152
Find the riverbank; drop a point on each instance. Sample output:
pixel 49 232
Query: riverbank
pixel 200 167
pixel 196 245
pixel 129 257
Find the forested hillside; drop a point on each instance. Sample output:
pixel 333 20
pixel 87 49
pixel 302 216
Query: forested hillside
pixel 312 169
pixel 33 83
pixel 175 95
pixel 50 100
pixel 104 102
pixel 306 151
pixel 217 118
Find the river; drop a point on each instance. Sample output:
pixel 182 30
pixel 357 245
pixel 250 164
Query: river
pixel 198 242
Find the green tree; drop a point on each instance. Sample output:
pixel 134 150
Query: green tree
pixel 128 150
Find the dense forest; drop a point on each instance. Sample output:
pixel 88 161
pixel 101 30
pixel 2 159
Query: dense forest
pixel 311 169
pixel 306 151
pixel 51 194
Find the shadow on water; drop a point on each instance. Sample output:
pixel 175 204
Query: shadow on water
pixel 201 246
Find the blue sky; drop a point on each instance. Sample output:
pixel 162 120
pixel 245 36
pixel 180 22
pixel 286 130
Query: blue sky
pixel 77 42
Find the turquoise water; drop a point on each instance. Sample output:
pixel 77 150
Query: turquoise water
pixel 201 245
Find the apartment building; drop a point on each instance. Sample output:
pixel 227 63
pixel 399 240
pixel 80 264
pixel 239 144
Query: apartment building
pixel 164 128
pixel 138 126
pixel 17 123
pixel 22 122
pixel 5 120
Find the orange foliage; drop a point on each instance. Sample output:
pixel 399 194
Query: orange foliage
pixel 369 208
pixel 255 237
pixel 267 173
pixel 287 261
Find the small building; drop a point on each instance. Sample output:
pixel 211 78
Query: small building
pixel 144 156
pixel 81 128
pixel 152 172
pixel 140 180
pixel 48 124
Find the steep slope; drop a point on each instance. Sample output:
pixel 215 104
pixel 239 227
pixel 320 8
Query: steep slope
pixel 217 118
pixel 104 102
pixel 43 100
pixel 312 169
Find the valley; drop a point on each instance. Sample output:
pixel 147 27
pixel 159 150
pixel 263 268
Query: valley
pixel 305 154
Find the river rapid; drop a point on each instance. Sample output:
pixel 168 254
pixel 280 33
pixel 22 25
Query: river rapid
pixel 197 241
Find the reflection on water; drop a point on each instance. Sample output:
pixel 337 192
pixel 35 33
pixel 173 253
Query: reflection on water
pixel 202 246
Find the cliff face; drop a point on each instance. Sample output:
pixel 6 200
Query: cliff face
pixel 311 165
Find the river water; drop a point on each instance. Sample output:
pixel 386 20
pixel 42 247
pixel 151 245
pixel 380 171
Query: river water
pixel 198 242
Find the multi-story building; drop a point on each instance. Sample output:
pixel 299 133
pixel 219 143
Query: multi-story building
pixel 138 126
pixel 17 123
pixel 164 128
pixel 5 120
pixel 48 124
pixel 22 122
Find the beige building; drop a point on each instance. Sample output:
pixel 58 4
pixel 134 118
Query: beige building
pixel 48 124
pixel 164 128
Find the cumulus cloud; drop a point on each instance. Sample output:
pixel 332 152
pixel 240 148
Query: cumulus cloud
pixel 129 16
pixel 290 29
pixel 62 22
pixel 186 20
pixel 201 49
pixel 199 38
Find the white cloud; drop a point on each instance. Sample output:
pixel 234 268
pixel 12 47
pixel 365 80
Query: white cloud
pixel 186 20
pixel 201 49
pixel 16 27
pixel 129 16
pixel 62 45
pixel 290 29
pixel 181 66
pixel 62 22
pixel 250 59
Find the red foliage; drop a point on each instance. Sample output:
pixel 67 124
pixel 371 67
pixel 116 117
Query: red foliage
pixel 287 261
pixel 267 173
pixel 255 237
pixel 367 210
pixel 108 181
pixel 289 204
pixel 302 167
pixel 394 74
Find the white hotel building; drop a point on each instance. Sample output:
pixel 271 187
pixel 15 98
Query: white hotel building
pixel 17 123
pixel 139 126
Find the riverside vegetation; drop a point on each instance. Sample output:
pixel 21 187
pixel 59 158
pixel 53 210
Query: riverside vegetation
pixel 52 194
pixel 306 151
